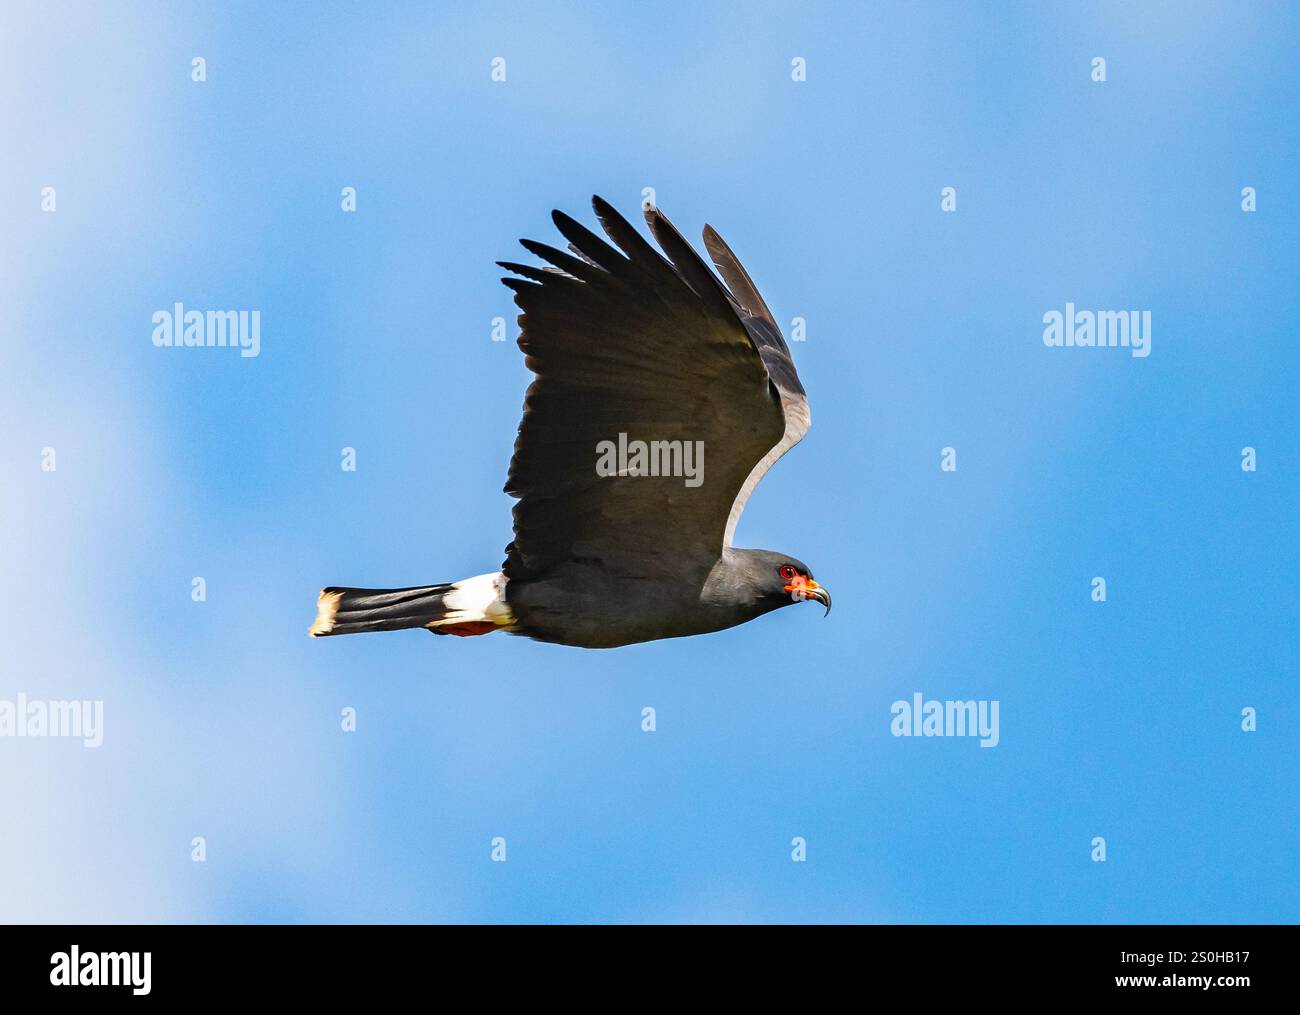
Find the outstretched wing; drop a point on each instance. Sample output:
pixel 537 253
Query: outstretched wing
pixel 631 346
pixel 766 336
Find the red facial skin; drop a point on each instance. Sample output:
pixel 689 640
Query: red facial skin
pixel 795 581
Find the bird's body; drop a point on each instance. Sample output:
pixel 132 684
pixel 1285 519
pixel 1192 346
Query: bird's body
pixel 632 350
pixel 571 605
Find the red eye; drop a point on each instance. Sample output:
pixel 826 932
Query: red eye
pixel 787 572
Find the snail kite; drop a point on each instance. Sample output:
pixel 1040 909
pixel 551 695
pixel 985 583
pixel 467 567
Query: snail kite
pixel 648 368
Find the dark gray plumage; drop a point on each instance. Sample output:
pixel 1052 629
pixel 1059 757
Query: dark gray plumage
pixel 627 341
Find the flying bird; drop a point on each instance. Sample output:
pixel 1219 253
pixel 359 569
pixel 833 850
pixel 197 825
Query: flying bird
pixel 662 397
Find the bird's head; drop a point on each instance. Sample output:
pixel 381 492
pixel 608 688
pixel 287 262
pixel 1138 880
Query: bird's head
pixel 796 582
pixel 779 580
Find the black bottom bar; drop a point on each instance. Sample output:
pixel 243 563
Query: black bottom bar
pixel 1223 964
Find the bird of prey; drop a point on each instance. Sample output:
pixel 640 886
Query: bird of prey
pixel 648 367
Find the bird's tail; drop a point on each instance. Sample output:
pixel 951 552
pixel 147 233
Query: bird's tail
pixel 473 606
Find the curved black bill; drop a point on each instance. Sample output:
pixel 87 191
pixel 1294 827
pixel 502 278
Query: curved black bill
pixel 822 596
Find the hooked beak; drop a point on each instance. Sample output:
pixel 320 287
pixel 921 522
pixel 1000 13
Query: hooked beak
pixel 809 589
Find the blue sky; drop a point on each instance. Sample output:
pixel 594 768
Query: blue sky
pixel 1118 719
